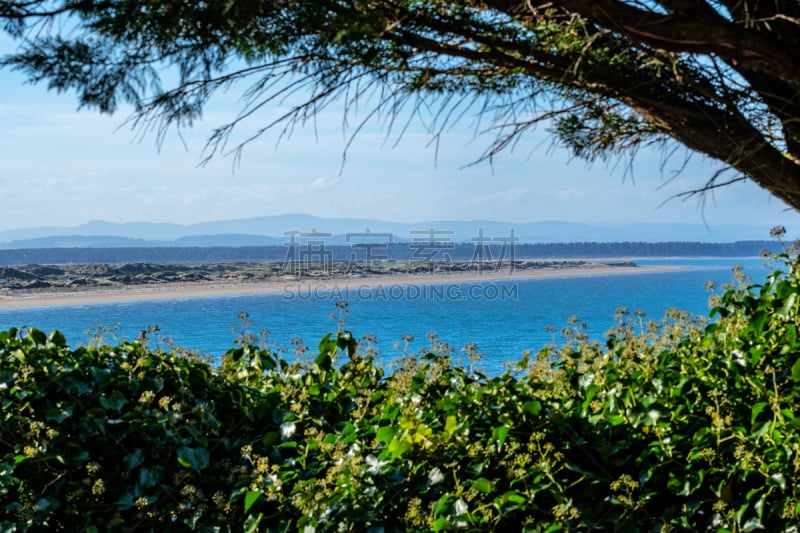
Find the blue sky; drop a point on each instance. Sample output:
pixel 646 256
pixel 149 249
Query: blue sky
pixel 63 168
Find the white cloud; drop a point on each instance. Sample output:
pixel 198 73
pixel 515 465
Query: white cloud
pixel 498 199
pixel 323 183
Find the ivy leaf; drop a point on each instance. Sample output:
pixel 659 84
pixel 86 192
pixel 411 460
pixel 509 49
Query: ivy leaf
pixel 450 424
pixel 795 371
pixel 757 408
pixel 777 479
pixel 788 305
pixel 591 392
pixel 58 339
pixel 514 497
pixel 250 498
pixel 195 458
pixel 38 336
pixel 324 361
pixel 441 524
pixel 327 345
pixel 385 434
pixel 533 407
pixel 114 402
pixel 482 485
pixel 252 522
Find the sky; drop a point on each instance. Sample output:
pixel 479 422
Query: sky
pixel 62 167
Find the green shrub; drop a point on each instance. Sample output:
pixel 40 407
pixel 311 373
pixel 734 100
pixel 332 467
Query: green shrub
pixel 670 425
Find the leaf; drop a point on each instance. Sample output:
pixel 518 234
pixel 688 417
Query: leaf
pixel 761 431
pixel 591 392
pixel 116 401
pixel 397 447
pixel 37 336
pixel 759 505
pixel 790 336
pixel 757 408
pixel 788 305
pixel 450 424
pixel 327 345
pixel 796 371
pixel 533 407
pixel 6 335
pixel 251 523
pixel 134 459
pixel 148 477
pixel 758 319
pixel 385 434
pixel 616 420
pixel 43 504
pixel 58 415
pixel 265 360
pixel 126 501
pixel 234 354
pixel 514 497
pixel 752 525
pixel 58 339
pixel 271 438
pixel 482 485
pixel 441 524
pixel 441 504
pixel 324 361
pixel 500 435
pixel 782 288
pixel 346 341
pixel 347 430
pixel 195 458
pixel 250 498
pixel 777 480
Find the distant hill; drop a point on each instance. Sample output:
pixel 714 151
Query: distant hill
pixel 107 241
pixel 277 230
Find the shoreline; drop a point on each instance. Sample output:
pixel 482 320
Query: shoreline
pixel 180 291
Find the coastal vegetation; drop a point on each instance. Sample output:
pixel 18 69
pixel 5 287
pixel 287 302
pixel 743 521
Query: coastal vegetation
pixel 671 424
pixel 27 278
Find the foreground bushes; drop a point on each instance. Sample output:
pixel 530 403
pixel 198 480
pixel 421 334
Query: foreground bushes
pixel 673 425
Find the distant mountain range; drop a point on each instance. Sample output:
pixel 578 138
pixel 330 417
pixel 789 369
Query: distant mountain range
pixel 278 230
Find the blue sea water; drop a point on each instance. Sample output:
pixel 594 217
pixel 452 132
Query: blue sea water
pixel 504 318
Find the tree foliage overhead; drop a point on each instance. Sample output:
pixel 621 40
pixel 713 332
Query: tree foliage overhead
pixel 608 76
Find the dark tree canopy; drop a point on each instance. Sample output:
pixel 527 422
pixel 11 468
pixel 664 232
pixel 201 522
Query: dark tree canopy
pixel 607 76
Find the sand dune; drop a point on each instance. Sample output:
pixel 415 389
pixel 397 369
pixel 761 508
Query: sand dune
pixel 290 287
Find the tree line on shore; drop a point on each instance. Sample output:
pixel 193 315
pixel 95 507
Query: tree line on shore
pixel 398 251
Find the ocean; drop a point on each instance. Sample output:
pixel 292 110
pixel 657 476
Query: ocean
pixel 502 318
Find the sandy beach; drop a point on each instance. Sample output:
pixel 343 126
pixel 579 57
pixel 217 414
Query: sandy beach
pixel 294 286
